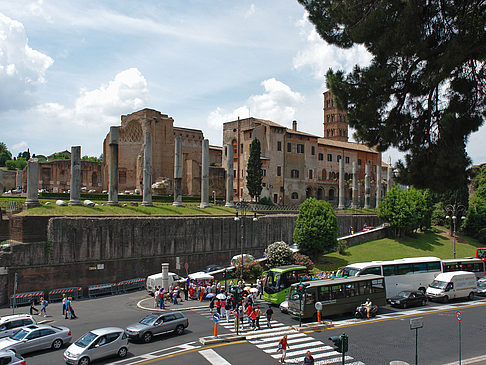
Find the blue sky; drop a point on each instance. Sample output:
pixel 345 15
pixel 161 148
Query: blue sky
pixel 70 69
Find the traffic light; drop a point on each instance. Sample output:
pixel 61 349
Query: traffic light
pixel 301 288
pixel 340 343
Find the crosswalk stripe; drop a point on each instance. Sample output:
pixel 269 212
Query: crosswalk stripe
pixel 303 352
pixel 213 357
pixel 269 339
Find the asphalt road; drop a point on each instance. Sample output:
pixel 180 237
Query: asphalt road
pixel 379 341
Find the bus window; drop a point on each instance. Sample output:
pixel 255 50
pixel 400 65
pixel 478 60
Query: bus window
pixel 378 285
pixel 364 288
pixel 324 293
pixel 433 266
pixel 481 253
pixel 351 289
pixel 371 270
pixel 310 296
pixel 403 269
pixel 337 292
pixel 389 270
pixel 419 267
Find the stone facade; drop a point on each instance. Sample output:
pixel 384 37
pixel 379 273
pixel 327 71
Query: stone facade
pixel 335 125
pixel 7 180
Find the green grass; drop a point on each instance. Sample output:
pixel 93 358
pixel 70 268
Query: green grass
pixel 432 243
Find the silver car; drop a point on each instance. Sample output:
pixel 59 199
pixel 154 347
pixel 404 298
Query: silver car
pixel 12 323
pixel 97 344
pixel 11 358
pixel 157 324
pixel 36 337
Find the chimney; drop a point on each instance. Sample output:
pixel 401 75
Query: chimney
pixel 294 125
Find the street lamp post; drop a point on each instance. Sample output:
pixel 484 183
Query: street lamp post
pixel 243 207
pixel 454 210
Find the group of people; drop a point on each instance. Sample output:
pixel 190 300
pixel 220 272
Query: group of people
pixel 173 294
pixel 283 345
pixel 67 307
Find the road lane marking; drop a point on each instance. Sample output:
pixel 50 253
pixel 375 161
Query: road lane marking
pixel 213 357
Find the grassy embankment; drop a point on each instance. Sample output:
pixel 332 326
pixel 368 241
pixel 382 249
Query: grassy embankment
pixel 433 243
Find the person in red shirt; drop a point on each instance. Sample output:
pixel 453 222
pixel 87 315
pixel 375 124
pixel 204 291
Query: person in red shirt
pixel 282 346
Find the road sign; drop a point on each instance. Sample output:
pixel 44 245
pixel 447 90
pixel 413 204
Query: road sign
pixel 318 306
pixel 186 266
pixel 216 317
pixel 459 316
pixel 416 323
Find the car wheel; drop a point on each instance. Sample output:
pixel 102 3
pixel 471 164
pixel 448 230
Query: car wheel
pixel 404 305
pixel 84 361
pixel 57 344
pixel 424 302
pixel 147 337
pixel 446 299
pixel 470 296
pixel 179 330
pixel 122 352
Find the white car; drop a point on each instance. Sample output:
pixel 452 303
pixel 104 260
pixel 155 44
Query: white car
pixel 284 306
pixel 11 358
pixel 238 257
pixel 12 323
pixel 97 344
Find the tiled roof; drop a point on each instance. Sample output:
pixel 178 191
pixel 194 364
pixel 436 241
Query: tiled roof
pixel 348 145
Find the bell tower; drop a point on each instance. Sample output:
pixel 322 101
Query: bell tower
pixel 335 124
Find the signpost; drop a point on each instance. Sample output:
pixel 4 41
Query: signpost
pixel 14 304
pixel 415 324
pixel 318 307
pixel 186 266
pixel 216 321
pixel 459 320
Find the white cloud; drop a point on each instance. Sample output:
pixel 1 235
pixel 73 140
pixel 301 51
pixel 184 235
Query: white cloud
pixel 19 147
pixel 320 56
pixel 22 68
pixel 250 11
pixel 103 106
pixel 278 103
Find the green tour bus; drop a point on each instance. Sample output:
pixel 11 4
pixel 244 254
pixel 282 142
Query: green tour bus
pixel 277 281
pixel 337 295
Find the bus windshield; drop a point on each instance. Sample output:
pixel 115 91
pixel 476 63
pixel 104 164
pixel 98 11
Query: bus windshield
pixel 481 253
pixel 277 280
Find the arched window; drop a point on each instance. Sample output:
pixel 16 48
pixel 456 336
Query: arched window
pixel 294 195
pixel 308 193
pixel 324 174
pixel 294 174
pixel 331 194
pixel 94 179
pixel 319 194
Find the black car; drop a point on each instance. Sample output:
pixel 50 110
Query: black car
pixel 408 298
pixel 211 268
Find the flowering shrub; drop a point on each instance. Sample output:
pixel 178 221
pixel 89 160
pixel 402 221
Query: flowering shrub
pixel 251 268
pixel 303 260
pixel 278 254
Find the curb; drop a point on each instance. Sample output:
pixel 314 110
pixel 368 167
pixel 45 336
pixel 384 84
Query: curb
pixel 151 309
pixel 211 340
pixel 312 326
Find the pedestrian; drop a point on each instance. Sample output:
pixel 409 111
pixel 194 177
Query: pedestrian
pixel 44 304
pixel 211 305
pixel 218 306
pixel 32 307
pixel 227 309
pixel 64 299
pixel 201 293
pixel 175 294
pixel 249 311
pixel 269 314
pixel 258 314
pixel 161 297
pixel 186 292
pixel 253 316
pixel 237 314
pixel 282 347
pixel 308 359
pixel 156 297
pixel 68 308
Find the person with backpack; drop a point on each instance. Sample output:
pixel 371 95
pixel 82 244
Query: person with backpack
pixel 44 304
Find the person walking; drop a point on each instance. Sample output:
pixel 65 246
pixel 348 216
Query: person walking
pixel 269 314
pixel 64 299
pixel 156 297
pixel 253 317
pixel 211 305
pixel 175 294
pixel 308 359
pixel 258 313
pixel 32 307
pixel 161 298
pixel 282 347
pixel 44 304
pixel 249 311
pixel 68 308
pixel 227 309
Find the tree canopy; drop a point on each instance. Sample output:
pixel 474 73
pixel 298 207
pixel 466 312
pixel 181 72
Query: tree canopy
pixel 424 91
pixel 254 175
pixel 5 154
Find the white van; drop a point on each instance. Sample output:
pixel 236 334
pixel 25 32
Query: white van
pixel 451 285
pixel 156 280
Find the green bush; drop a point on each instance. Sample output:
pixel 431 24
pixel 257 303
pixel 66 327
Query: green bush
pixel 342 245
pixel 278 254
pixel 265 201
pixel 482 236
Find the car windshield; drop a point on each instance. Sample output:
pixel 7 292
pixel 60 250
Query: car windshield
pixel 482 285
pixel 19 335
pixel 85 340
pixel 149 320
pixel 403 294
pixel 438 284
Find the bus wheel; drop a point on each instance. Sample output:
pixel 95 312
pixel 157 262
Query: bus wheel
pixel 470 296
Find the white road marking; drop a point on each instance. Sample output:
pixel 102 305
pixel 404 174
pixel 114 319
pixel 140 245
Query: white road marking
pixel 213 357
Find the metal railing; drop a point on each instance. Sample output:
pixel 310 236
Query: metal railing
pixel 25 298
pixel 56 294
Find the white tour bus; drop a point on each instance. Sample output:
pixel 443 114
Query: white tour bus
pixel 414 273
pixel 473 265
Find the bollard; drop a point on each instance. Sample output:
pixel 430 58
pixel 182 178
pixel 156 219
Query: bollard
pixel 318 316
pixel 215 330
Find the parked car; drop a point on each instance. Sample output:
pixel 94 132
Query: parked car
pixel 284 306
pixel 294 247
pixel 452 285
pixel 11 324
pixel 246 256
pixel 481 288
pixel 10 357
pixel 408 298
pixel 36 337
pixel 211 268
pixel 97 344
pixel 157 324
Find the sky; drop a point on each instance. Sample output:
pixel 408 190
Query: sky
pixel 70 69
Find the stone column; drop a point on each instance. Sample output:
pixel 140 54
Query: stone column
pixel 165 276
pixel 18 179
pixel 378 185
pixel 341 184
pixel 389 179
pixel 354 203
pixel 147 167
pixel 113 167
pixel 205 175
pixel 75 186
pixel 229 176
pixel 178 173
pixel 32 183
pixel 367 186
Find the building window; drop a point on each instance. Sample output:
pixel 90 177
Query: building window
pixel 329 157
pixel 300 148
pixel 310 174
pixel 279 146
pixel 313 150
pixel 289 147
pixel 234 174
pixel 346 159
pixel 321 156
pixel 122 177
pixel 264 172
pixel 294 174
pixel 295 195
pixel 359 162
pixel 279 170
pixel 241 148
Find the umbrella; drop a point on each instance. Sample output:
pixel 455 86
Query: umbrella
pixel 253 290
pixel 210 295
pixel 221 296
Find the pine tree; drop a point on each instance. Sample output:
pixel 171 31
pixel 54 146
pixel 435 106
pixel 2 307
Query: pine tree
pixel 424 91
pixel 254 174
